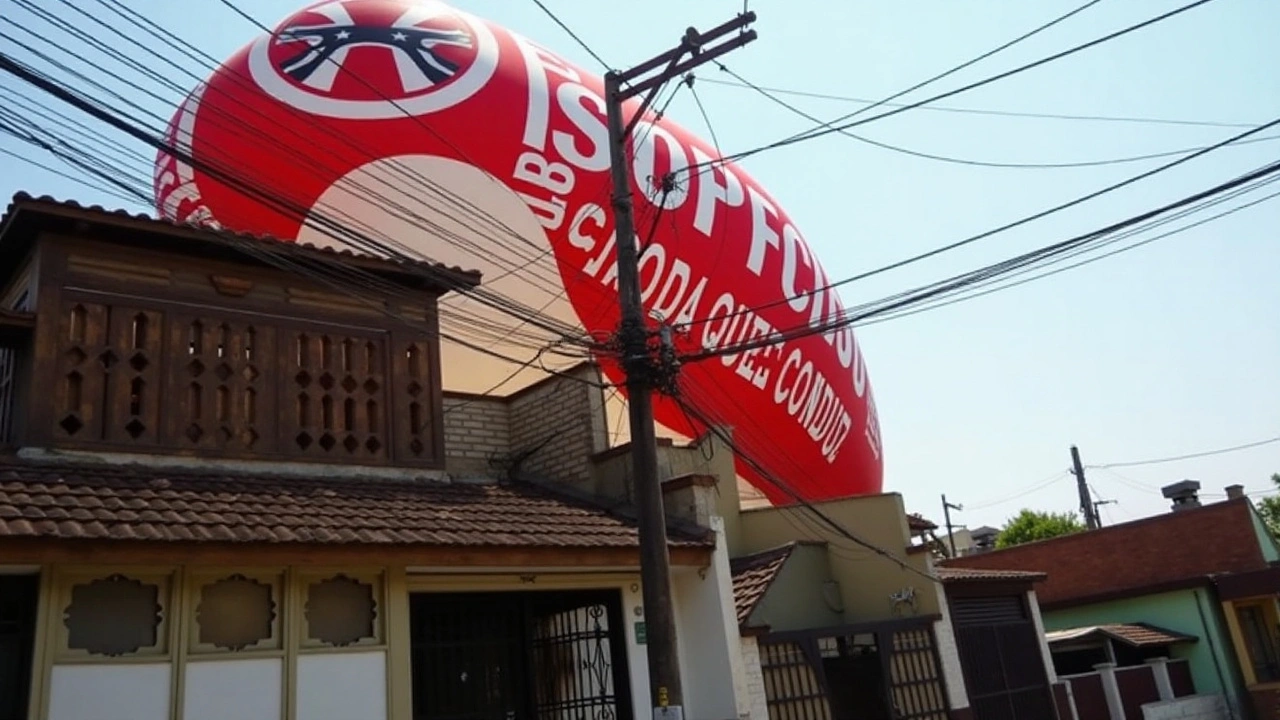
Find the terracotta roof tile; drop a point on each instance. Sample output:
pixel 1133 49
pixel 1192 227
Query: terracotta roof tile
pixel 1135 634
pixel 955 575
pixel 121 502
pixel 48 203
pixel 752 577
pixel 1160 551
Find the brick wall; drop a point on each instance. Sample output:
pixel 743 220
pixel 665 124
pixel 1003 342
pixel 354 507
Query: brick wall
pixel 476 430
pixel 757 698
pixel 564 419
pixel 1083 565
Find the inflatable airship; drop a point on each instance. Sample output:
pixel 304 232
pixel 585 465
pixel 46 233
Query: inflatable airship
pixel 460 141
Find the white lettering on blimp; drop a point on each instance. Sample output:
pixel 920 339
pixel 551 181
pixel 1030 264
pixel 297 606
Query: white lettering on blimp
pixel 547 172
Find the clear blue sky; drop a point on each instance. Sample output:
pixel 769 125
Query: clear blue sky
pixel 1169 349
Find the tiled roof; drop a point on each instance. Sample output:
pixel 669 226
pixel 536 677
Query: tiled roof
pixel 752 576
pixel 1135 634
pixel 46 203
pixel 136 503
pixel 957 575
pixel 1165 551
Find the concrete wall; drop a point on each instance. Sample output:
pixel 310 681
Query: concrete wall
pixel 711 665
pixel 1213 666
pixel 757 697
pixel 949 654
pixel 866 579
pixel 1206 707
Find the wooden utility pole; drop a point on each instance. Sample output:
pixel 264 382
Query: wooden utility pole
pixel 1086 502
pixel 641 364
pixel 946 513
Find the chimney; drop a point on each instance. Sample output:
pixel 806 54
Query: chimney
pixel 1235 492
pixel 1183 494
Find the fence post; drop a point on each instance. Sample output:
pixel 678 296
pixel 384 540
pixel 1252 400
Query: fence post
pixel 1111 688
pixel 1160 669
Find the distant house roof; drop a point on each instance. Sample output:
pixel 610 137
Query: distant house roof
pixel 1134 634
pixel 918 523
pixel 1165 552
pixel 950 575
pixel 752 577
pixel 131 502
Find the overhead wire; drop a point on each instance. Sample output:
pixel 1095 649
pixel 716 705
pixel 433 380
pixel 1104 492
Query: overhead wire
pixel 1033 488
pixel 926 292
pixel 8 64
pixel 840 124
pixel 581 43
pixel 934 252
pixel 239 129
pixel 824 518
pixel 985 111
pixel 1188 456
pixel 980 163
pixel 129 102
pixel 1002 284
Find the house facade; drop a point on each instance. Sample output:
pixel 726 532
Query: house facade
pixel 230 488
pixel 1204 575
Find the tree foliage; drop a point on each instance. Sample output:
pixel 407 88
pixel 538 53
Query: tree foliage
pixel 1031 525
pixel 1269 508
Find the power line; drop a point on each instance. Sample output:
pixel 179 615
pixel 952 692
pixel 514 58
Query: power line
pixel 581 43
pixel 920 294
pixel 1034 487
pixel 969 63
pixel 1090 260
pixel 984 111
pixel 333 228
pixel 1190 456
pixel 978 163
pixel 832 127
pixel 817 512
pixel 525 313
pixel 1010 225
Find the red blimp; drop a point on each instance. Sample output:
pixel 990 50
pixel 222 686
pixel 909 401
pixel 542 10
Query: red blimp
pixel 435 131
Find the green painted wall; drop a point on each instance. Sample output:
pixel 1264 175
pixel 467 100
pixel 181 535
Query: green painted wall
pixel 795 600
pixel 1172 611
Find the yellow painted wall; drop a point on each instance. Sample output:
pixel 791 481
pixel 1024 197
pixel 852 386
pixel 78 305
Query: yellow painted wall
pixel 866 579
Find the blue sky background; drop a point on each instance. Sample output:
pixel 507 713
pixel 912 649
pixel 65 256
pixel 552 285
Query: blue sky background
pixel 1169 349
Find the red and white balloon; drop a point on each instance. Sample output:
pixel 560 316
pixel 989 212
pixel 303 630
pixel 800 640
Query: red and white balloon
pixel 417 122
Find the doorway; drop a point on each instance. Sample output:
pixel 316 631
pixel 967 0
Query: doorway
pixel 19 596
pixel 519 656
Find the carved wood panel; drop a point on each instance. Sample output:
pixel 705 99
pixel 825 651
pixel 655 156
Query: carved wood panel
pixel 240 384
pixel 336 389
pixel 80 386
pixel 220 383
pixel 415 401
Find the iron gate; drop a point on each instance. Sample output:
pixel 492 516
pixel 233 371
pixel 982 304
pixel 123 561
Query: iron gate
pixel 886 671
pixel 519 656
pixel 1003 664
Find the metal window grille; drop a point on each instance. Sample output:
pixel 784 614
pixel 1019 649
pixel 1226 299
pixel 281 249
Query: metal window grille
pixel 512 656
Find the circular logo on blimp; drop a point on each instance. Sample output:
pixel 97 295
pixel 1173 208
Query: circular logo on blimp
pixel 375 59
